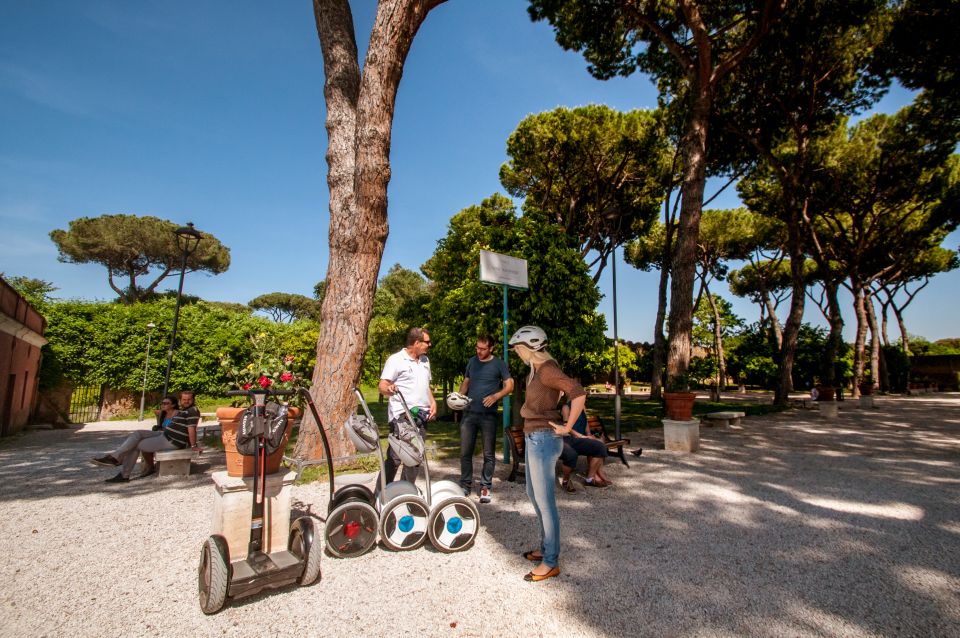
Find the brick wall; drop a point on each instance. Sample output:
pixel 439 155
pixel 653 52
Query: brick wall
pixel 21 337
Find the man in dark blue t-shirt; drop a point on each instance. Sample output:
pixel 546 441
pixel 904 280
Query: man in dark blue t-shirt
pixel 486 381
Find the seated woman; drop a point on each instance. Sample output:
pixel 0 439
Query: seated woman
pixel 578 442
pixel 144 442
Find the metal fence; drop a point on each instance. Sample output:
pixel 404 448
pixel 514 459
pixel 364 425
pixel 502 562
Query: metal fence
pixel 85 403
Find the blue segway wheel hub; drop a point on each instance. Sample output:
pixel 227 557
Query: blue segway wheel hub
pixel 454 525
pixel 405 524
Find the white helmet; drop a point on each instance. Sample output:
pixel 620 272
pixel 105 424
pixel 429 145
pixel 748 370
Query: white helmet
pixel 407 444
pixel 530 336
pixel 457 401
pixel 362 433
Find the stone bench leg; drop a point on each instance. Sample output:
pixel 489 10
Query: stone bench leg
pixel 175 467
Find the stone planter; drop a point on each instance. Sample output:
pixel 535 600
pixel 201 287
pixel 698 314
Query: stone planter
pixel 829 409
pixel 867 402
pixel 681 436
pixel 237 464
pixel 678 405
pixel 866 389
pixel 826 393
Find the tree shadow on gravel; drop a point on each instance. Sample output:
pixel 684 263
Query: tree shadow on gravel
pixel 792 525
pixel 41 464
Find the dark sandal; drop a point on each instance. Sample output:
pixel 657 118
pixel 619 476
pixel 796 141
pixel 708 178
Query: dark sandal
pixel 533 555
pixel 567 486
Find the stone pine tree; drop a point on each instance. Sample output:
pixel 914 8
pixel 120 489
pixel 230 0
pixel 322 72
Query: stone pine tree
pixel 691 47
pixel 360 106
pixel 134 247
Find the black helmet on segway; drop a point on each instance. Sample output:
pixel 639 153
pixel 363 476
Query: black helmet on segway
pixel 530 336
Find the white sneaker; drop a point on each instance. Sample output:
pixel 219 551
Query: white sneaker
pixel 485 495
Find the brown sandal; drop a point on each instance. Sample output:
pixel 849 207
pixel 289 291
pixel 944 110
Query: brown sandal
pixel 536 578
pixel 533 555
pixel 567 486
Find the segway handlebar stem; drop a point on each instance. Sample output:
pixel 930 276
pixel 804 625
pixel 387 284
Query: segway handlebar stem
pixel 426 464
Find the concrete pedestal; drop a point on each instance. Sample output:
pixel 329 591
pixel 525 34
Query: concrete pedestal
pixel 829 409
pixel 866 401
pixel 681 436
pixel 233 504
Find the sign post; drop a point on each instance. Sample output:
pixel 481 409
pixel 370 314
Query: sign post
pixel 506 272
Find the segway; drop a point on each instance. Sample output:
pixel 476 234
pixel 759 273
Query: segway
pixel 403 511
pixel 218 577
pixel 454 520
pixel 351 528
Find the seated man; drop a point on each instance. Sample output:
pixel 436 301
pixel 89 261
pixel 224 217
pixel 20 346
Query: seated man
pixel 578 442
pixel 179 434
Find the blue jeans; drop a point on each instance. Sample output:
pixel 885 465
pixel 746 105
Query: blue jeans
pixel 486 422
pixel 541 450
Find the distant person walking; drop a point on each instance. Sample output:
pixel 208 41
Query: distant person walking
pixel 486 380
pixel 543 441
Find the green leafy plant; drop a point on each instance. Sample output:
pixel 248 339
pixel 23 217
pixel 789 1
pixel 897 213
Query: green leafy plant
pixel 267 368
pixel 679 382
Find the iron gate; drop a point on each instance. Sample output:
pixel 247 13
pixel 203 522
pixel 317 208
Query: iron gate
pixel 85 403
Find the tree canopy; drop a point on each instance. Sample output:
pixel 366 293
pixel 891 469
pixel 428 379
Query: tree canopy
pixel 131 246
pixel 286 307
pixel 598 173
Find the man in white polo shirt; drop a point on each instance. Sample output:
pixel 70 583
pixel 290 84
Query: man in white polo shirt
pixel 409 372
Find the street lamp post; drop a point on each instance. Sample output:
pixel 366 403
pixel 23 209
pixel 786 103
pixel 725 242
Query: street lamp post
pixel 616 353
pixel 146 366
pixel 187 240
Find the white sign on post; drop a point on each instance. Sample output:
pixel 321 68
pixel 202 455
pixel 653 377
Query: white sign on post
pixel 503 270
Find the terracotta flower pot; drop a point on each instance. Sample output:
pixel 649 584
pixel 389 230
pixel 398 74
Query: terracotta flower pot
pixel 866 389
pixel 826 393
pixel 237 464
pixel 679 405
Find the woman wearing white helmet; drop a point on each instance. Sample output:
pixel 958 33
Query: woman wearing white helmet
pixel 543 441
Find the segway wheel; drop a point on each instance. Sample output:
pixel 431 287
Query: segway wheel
pixel 351 529
pixel 454 524
pixel 403 523
pixel 214 574
pixel 305 545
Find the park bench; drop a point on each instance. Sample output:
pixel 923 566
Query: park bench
pixel 722 419
pixel 595 427
pixel 174 462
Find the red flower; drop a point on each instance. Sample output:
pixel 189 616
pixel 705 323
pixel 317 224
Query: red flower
pixel 246 386
pixel 264 382
pixel 286 376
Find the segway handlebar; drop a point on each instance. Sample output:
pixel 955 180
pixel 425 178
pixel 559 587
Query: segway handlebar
pixel 266 391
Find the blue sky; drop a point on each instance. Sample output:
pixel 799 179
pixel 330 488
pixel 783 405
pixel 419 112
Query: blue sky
pixel 212 112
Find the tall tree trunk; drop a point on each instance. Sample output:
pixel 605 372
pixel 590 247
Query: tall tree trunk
pixel 875 374
pixel 859 345
pixel 359 125
pixel 717 340
pixel 659 342
pixel 683 270
pixel 828 366
pixel 904 337
pixel 775 326
pixel 791 330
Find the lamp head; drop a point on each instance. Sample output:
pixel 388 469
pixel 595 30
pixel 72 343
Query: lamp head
pixel 187 238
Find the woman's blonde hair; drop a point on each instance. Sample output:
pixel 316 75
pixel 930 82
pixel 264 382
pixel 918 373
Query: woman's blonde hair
pixel 535 357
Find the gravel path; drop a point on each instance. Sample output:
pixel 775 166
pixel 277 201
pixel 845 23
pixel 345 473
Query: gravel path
pixel 786 527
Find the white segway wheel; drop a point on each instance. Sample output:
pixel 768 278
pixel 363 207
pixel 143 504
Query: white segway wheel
pixel 305 544
pixel 454 524
pixel 213 576
pixel 351 529
pixel 403 523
